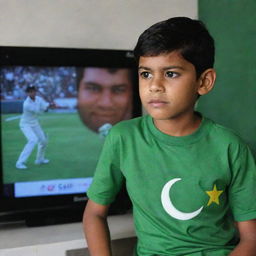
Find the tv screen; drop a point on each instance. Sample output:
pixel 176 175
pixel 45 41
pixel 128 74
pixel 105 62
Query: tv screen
pixel 57 107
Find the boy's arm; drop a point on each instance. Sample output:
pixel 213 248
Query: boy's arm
pixel 96 229
pixel 247 244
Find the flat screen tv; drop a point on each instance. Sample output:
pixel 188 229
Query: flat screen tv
pixel 85 92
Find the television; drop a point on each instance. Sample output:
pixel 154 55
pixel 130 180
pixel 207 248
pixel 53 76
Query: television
pixel 54 191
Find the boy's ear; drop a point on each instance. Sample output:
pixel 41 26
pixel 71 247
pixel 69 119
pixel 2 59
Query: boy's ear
pixel 206 81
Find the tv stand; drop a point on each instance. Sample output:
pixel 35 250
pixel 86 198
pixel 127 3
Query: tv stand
pixel 17 239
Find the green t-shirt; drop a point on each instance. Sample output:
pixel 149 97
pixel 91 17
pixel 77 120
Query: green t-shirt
pixel 186 191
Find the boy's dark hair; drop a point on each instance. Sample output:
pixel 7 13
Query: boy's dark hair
pixel 182 34
pixel 30 88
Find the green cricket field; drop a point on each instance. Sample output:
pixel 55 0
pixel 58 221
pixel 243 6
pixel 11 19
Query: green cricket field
pixel 73 150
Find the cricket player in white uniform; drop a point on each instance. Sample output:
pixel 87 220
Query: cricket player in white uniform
pixel 29 125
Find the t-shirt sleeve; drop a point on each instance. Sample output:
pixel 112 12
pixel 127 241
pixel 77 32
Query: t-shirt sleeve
pixel 108 177
pixel 242 191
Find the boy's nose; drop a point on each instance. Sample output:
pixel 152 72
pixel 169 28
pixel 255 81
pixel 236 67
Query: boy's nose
pixel 156 85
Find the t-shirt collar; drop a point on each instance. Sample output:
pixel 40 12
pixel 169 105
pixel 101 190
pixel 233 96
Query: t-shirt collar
pixel 201 131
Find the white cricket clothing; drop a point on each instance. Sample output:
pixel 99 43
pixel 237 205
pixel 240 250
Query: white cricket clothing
pixel 31 128
pixel 31 110
pixel 44 161
pixel 21 166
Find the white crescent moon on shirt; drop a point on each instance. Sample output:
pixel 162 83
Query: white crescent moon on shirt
pixel 169 207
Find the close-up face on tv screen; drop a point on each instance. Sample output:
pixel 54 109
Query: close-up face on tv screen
pixel 104 96
pixel 54 121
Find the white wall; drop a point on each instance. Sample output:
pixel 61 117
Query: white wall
pixel 110 24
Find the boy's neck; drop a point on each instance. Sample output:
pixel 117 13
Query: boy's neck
pixel 179 126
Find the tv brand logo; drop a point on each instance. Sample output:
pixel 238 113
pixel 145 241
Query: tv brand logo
pixel 80 198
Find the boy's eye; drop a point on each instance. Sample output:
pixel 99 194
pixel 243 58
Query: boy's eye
pixel 171 74
pixel 146 74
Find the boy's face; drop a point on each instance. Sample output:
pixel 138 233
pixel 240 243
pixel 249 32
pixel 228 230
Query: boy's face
pixel 168 86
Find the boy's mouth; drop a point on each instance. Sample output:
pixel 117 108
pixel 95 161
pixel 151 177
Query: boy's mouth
pixel 157 103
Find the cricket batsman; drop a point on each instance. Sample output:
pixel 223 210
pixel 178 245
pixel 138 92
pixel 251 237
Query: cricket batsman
pixel 29 125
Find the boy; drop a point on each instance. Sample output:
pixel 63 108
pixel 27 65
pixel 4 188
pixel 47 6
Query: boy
pixel 188 178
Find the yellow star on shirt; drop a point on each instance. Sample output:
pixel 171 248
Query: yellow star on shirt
pixel 214 195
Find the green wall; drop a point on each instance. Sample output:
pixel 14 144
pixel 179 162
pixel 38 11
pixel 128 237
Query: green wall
pixel 232 102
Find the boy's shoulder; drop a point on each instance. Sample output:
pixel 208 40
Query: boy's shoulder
pixel 225 132
pixel 225 136
pixel 128 125
pixel 125 130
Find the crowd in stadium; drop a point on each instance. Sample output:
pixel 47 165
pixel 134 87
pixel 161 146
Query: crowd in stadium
pixel 51 82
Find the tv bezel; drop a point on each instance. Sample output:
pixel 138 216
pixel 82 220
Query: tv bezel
pixel 51 206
